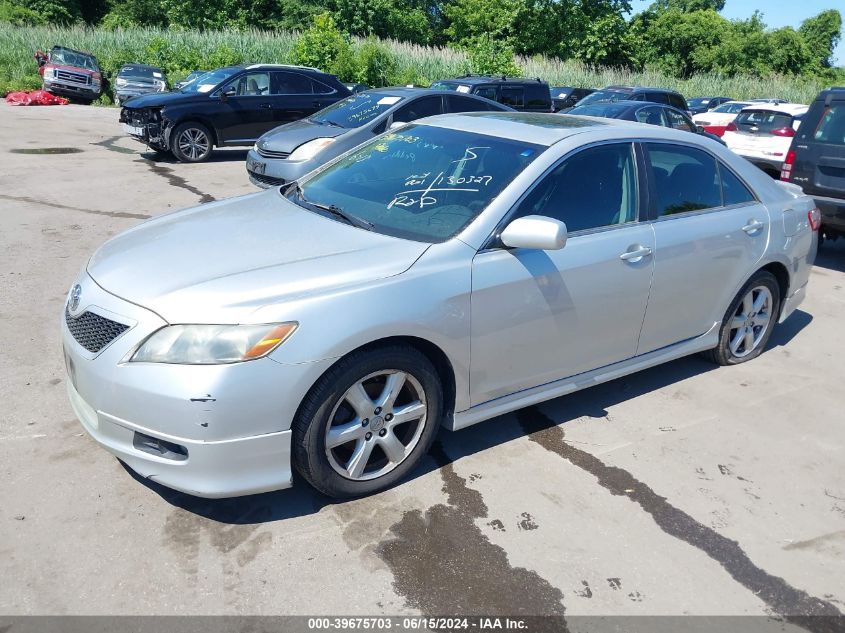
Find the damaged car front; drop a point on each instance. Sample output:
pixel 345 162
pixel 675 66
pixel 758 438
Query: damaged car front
pixel 150 118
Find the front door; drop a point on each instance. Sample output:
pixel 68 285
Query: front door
pixel 538 316
pixel 242 115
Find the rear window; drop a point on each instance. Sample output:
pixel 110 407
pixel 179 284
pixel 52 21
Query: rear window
pixel 609 110
pixel 763 120
pixel 357 110
pixel 831 130
pixel 442 85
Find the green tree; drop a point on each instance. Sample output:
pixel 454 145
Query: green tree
pixel 822 34
pixel 322 45
pixel 393 19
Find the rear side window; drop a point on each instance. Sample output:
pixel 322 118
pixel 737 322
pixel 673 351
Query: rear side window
pixel 467 104
pixel 659 97
pixel 733 189
pixel 685 179
pixel 292 84
pixel 678 121
pixel 427 106
pixel 320 88
pixel 537 98
pixel 513 96
pixel 831 130
pixel 651 115
pixel 595 188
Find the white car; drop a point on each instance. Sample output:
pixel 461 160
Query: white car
pixel 762 133
pixel 716 120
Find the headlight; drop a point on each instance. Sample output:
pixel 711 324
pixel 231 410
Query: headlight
pixel 120 81
pixel 212 344
pixel 310 149
pixel 160 85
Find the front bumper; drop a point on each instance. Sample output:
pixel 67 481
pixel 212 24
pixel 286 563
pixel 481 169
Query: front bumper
pixel 71 90
pixel 271 172
pixel 226 428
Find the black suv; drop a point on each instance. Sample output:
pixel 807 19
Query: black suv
pixel 816 160
pixel 228 106
pixel 637 93
pixel 525 95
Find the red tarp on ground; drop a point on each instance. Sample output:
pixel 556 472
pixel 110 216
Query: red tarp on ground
pixel 36 97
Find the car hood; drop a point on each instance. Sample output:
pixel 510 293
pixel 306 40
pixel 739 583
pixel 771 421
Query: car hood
pixel 290 136
pixel 161 99
pixel 221 262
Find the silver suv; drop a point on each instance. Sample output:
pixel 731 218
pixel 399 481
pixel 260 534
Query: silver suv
pixel 441 274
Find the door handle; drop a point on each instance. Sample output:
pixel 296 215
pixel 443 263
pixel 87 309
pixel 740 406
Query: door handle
pixel 753 226
pixel 636 254
pixel 316 104
pixel 266 106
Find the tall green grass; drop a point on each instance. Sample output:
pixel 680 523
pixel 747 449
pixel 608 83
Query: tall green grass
pixel 179 52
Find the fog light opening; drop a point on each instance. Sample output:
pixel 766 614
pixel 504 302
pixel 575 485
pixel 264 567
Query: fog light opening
pixel 160 448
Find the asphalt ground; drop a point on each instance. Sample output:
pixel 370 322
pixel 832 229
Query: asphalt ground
pixel 684 489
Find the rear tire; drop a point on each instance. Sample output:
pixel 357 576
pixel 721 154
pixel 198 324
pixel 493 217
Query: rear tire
pixel 191 142
pixel 749 321
pixel 368 421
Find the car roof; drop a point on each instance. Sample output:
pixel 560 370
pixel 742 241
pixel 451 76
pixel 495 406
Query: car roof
pixel 784 108
pixel 279 66
pixel 639 89
pixel 130 65
pixel 486 79
pixel 835 91
pixel 537 128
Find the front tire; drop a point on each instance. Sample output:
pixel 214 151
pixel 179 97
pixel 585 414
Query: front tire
pixel 368 421
pixel 191 142
pixel 749 321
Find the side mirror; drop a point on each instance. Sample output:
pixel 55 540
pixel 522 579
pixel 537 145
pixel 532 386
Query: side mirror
pixel 396 124
pixel 226 93
pixel 535 231
pixel 699 129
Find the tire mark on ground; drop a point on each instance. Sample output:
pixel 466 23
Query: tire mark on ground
pixel 110 144
pixel 785 600
pixel 443 563
pixel 175 180
pixel 56 205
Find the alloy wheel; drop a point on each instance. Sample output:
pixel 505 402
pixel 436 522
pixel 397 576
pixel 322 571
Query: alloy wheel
pixel 750 321
pixel 376 425
pixel 193 143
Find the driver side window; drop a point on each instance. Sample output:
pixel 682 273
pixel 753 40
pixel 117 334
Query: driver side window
pixel 251 85
pixel 595 188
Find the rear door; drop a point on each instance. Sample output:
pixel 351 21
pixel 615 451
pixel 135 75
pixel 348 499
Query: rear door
pixel 710 233
pixel 294 98
pixel 513 96
pixel 820 150
pixel 459 103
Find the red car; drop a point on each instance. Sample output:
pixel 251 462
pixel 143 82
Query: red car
pixel 71 73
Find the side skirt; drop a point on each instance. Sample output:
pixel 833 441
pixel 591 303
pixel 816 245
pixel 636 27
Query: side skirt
pixel 558 388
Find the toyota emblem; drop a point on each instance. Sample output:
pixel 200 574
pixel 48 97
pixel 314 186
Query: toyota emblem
pixel 74 297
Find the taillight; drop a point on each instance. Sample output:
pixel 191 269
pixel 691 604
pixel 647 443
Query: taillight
pixel 783 131
pixel 786 169
pixel 731 127
pixel 815 218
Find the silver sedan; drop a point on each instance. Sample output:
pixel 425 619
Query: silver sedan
pixel 441 274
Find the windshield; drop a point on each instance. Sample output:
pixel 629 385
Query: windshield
pixel 141 71
pixel 66 57
pixel 605 95
pixel 210 80
pixel 357 110
pixel 730 108
pixel 609 110
pixel 422 183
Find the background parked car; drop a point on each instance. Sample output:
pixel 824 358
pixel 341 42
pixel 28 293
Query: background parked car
pixel 763 132
pixel 697 105
pixel 816 160
pixel 636 93
pixel 566 97
pixel 191 77
pixel 71 73
pixel 228 106
pixel 716 120
pixel 293 150
pixel 137 79
pixel 651 113
pixel 525 95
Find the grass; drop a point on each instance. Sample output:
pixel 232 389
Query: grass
pixel 179 52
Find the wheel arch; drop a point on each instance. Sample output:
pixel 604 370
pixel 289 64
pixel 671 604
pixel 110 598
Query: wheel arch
pixel 431 351
pixel 781 273
pixel 195 118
